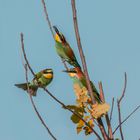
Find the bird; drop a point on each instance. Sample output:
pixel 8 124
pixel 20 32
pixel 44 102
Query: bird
pixel 41 80
pixel 78 77
pixel 63 49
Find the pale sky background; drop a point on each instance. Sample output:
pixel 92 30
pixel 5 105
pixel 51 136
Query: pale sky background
pixel 110 34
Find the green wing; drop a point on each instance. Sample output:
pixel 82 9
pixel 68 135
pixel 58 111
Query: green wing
pixel 95 92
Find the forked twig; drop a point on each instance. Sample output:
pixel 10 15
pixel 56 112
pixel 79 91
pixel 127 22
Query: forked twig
pixel 119 108
pixel 34 106
pixel 77 114
pixel 126 118
pixel 26 66
pixel 102 96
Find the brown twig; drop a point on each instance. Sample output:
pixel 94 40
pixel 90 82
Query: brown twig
pixel 81 50
pixel 34 106
pixel 47 17
pixel 106 116
pixel 119 108
pixel 50 26
pixel 78 115
pixel 24 54
pixel 126 118
pixel 75 21
pixel 112 107
pixel 58 101
pixel 26 66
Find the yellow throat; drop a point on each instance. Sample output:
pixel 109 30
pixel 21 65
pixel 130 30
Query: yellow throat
pixel 48 75
pixel 72 74
pixel 57 38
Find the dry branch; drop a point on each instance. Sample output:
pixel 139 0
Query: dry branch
pixel 102 96
pixel 126 119
pixel 75 21
pixel 119 106
pixel 47 18
pixel 112 107
pixel 26 66
pixel 81 50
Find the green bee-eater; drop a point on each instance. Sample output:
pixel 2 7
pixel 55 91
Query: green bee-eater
pixel 78 77
pixel 64 50
pixel 42 79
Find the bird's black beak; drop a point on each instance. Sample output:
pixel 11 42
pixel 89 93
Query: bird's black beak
pixel 56 30
pixel 69 71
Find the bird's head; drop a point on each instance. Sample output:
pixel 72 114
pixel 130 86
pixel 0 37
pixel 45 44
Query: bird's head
pixel 47 73
pixel 73 72
pixel 59 37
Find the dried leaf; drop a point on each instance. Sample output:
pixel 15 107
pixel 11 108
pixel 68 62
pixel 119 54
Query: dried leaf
pixel 80 125
pixel 98 110
pixel 81 94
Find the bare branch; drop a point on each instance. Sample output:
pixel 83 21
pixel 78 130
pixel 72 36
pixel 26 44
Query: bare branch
pixel 119 113
pixel 24 53
pixel 126 118
pixel 112 107
pixel 50 26
pixel 78 115
pixel 106 116
pixel 81 50
pixel 124 89
pixel 47 18
pixel 119 106
pixel 102 97
pixel 26 66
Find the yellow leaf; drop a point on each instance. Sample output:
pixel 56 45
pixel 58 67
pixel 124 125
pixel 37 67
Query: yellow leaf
pixel 98 110
pixel 80 125
pixel 81 94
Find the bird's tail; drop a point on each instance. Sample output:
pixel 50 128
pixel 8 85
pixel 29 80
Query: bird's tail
pixel 78 65
pixel 32 90
pixel 95 93
pixel 75 63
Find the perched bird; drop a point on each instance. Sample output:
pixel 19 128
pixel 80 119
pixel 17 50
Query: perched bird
pixel 64 50
pixel 41 80
pixel 78 78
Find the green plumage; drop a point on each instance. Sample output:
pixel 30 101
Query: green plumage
pixel 80 79
pixel 42 79
pixel 64 50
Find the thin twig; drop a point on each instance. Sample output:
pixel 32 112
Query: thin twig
pixel 24 53
pixel 58 101
pixel 47 18
pixel 81 50
pixel 34 106
pixel 78 115
pixel 106 116
pixel 119 106
pixel 124 89
pixel 112 107
pixel 50 25
pixel 26 66
pixel 126 118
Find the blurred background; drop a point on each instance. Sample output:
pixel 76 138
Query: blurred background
pixel 110 35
